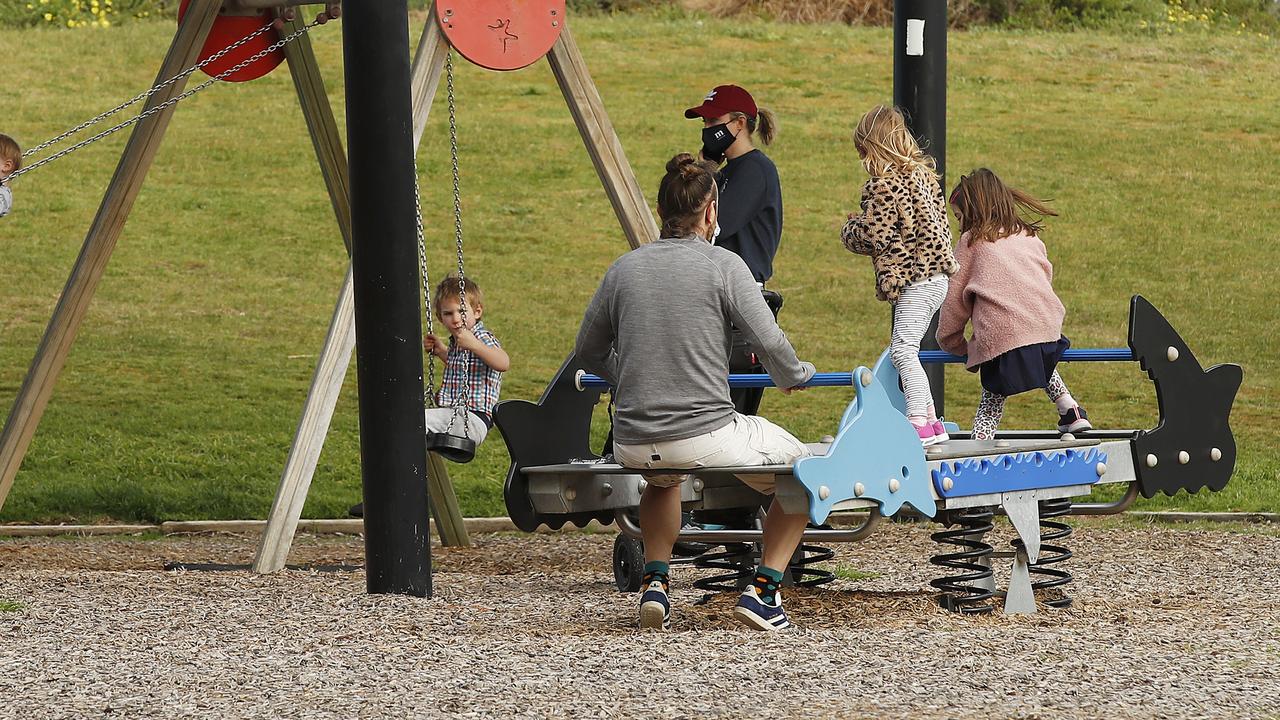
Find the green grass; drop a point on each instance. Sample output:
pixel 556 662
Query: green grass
pixel 182 392
pixel 844 572
pixel 11 606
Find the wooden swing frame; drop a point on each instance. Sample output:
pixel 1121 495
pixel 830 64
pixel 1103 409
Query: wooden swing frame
pixel 587 110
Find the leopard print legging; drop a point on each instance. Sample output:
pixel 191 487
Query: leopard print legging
pixel 991 407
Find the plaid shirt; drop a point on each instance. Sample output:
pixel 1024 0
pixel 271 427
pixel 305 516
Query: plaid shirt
pixel 466 377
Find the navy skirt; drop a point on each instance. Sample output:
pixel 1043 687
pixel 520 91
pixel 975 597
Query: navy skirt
pixel 1022 369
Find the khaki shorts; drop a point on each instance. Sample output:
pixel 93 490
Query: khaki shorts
pixel 746 440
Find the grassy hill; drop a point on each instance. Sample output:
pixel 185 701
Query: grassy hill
pixel 183 390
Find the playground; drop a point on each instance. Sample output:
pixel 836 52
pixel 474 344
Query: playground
pixel 203 372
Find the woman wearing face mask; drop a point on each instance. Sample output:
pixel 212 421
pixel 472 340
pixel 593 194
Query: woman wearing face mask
pixel 750 201
pixel 750 195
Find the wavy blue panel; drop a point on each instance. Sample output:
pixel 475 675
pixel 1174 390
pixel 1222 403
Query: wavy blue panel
pixel 1019 471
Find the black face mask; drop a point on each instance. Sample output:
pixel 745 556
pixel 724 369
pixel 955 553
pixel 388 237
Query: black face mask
pixel 715 140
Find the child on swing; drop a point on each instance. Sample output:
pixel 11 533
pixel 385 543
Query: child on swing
pixel 473 362
pixel 1005 287
pixel 10 162
pixel 903 227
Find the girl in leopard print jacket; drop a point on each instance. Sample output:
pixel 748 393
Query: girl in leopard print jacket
pixel 903 228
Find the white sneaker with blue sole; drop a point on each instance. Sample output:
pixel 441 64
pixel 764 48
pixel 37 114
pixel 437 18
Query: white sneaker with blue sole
pixel 759 615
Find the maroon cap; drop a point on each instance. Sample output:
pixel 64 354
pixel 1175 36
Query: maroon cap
pixel 723 100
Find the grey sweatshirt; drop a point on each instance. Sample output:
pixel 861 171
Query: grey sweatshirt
pixel 659 331
pixel 6 200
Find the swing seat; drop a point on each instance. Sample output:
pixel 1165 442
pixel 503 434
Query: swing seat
pixel 454 448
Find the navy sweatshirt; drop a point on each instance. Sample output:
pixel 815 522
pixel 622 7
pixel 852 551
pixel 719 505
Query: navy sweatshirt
pixel 751 211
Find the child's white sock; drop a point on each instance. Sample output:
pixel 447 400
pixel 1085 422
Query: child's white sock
pixel 1065 402
pixel 932 413
pixel 918 420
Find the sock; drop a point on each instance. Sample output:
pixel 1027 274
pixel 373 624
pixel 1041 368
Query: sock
pixel 931 414
pixel 767 581
pixel 917 420
pixel 1065 402
pixel 657 570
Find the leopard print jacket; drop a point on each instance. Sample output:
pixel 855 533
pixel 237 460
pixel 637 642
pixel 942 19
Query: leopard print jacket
pixel 903 227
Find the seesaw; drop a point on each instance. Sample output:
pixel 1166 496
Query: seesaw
pixel 875 463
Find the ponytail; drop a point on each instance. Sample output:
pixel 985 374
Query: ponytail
pixel 768 125
pixel 765 120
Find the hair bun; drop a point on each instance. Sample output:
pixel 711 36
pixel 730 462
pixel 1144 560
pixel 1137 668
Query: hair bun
pixel 680 163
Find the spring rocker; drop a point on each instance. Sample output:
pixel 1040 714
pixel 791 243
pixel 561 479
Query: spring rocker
pixel 875 463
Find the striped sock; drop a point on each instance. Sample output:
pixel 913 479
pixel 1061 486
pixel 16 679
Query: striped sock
pixel 767 581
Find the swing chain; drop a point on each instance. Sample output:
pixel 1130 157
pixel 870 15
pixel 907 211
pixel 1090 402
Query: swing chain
pixel 147 93
pixel 460 403
pixel 430 393
pixel 168 103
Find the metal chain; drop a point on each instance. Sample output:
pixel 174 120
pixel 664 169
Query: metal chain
pixel 430 392
pixel 168 103
pixel 461 402
pixel 148 92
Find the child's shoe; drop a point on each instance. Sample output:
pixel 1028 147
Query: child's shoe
pixel 1074 420
pixel 758 615
pixel 655 608
pixel 928 436
pixel 940 432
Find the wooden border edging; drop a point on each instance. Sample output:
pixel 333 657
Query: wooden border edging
pixel 344 526
pixel 1177 516
pixel 355 526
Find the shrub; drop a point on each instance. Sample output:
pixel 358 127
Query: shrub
pixel 80 13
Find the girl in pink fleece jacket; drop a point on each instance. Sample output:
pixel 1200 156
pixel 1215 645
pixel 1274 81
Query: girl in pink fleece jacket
pixel 1005 287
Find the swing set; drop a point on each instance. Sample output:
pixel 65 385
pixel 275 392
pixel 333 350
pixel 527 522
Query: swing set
pixel 493 34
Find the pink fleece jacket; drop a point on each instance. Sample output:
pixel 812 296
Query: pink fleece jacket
pixel 1006 288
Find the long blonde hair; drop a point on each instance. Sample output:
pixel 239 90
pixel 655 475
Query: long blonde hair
pixel 886 145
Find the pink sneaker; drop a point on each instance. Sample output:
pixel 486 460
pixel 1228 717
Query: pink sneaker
pixel 926 433
pixel 940 432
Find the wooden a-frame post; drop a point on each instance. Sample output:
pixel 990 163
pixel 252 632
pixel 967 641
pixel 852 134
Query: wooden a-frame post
pixel 117 201
pixel 619 182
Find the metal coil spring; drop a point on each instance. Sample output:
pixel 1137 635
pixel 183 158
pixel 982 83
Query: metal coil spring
pixel 1044 577
pixel 964 592
pixel 802 569
pixel 738 560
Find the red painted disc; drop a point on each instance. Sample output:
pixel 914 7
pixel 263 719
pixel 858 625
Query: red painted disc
pixel 226 30
pixel 501 34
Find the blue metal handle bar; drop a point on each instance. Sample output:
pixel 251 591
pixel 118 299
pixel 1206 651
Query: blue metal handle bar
pixel 845 379
pixel 1073 355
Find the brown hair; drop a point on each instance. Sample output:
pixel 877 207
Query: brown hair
pixel 766 120
pixel 9 150
pixel 989 209
pixel 685 190
pixel 884 143
pixel 450 288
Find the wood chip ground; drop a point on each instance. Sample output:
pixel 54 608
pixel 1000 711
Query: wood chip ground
pixel 1167 623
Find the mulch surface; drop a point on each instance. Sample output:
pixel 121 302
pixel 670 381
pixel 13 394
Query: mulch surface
pixel 1166 623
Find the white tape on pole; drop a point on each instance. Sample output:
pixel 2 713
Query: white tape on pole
pixel 915 37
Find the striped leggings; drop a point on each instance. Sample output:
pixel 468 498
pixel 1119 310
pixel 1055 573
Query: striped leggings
pixel 915 307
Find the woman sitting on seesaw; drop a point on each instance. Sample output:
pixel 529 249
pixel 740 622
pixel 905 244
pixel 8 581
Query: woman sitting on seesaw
pixel 659 330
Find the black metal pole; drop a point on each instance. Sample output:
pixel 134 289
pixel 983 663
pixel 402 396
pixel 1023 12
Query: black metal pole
pixel 375 41
pixel 920 89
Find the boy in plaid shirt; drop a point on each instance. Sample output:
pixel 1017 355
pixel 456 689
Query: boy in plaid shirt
pixel 473 363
